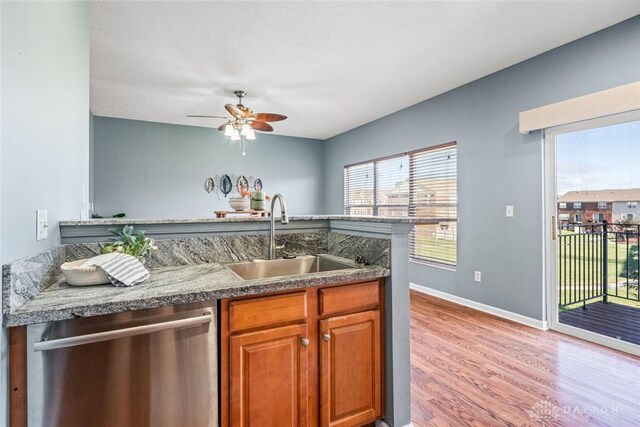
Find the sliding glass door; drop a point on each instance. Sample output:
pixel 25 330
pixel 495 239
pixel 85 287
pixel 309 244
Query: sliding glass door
pixel 593 230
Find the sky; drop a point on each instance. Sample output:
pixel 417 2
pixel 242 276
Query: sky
pixel 599 159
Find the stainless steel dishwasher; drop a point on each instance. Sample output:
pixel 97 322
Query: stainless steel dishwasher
pixel 152 367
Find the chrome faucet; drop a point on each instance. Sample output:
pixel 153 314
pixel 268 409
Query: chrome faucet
pixel 284 219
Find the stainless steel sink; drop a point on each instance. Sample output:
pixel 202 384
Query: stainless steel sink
pixel 306 264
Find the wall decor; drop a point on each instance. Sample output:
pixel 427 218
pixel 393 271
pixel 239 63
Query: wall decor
pixel 226 185
pixel 209 185
pixel 242 183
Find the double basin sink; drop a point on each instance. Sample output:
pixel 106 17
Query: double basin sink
pixel 263 269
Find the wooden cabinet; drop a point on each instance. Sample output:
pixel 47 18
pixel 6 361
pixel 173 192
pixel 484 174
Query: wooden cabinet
pixel 350 369
pixel 269 372
pixel 311 357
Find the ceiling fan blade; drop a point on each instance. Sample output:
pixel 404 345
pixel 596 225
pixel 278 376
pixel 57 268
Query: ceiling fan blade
pixel 209 117
pixel 268 117
pixel 235 111
pixel 264 127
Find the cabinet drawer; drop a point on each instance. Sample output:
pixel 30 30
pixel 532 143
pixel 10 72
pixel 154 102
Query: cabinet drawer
pixel 349 298
pixel 265 311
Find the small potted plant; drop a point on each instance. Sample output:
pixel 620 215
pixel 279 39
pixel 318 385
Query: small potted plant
pixel 128 242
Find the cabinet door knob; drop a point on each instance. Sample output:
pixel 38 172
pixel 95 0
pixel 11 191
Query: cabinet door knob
pixel 326 337
pixel 304 341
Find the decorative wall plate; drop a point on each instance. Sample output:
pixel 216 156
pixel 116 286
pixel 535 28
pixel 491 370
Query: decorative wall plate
pixel 242 183
pixel 225 185
pixel 209 185
pixel 257 185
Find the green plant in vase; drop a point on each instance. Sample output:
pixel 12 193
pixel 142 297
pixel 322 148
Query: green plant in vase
pixel 128 242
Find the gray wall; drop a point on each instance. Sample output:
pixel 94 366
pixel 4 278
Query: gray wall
pixel 496 165
pixel 4 384
pixel 151 170
pixel 44 100
pixel 45 126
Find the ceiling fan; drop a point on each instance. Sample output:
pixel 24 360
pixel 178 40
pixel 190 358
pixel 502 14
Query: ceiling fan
pixel 243 122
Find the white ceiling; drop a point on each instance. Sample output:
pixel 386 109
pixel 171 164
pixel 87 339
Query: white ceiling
pixel 329 65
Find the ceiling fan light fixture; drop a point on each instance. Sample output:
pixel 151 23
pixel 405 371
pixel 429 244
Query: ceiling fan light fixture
pixel 242 122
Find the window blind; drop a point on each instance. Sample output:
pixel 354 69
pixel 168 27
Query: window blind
pixel 420 183
pixel 392 195
pixel 358 189
pixel 434 194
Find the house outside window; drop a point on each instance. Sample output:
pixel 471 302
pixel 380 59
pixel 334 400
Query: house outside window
pixel 563 217
pixel 598 217
pixel 578 217
pixel 421 183
pixel 562 205
pixel 577 205
pixel 602 205
pixel 627 217
pixel 632 205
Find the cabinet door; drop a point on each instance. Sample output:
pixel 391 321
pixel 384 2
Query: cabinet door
pixel 350 369
pixel 269 377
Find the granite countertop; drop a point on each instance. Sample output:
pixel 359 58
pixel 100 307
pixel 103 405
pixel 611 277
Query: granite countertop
pixel 139 221
pixel 170 286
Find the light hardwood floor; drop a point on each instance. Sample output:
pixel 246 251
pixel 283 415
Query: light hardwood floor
pixel 471 368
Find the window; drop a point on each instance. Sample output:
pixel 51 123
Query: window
pixel 598 217
pixel 602 205
pixel 632 205
pixel 578 217
pixel 358 189
pixel 562 205
pixel 563 217
pixel 627 217
pixel 420 183
pixel 577 205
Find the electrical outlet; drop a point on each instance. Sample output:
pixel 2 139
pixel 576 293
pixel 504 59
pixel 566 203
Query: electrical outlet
pixel 42 224
pixel 477 276
pixel 509 211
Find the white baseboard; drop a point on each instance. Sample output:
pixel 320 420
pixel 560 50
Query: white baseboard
pixel 381 423
pixel 518 318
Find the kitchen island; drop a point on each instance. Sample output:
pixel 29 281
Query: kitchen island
pixel 187 269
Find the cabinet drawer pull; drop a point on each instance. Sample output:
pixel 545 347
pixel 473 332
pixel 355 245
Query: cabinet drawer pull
pixel 304 341
pixel 326 337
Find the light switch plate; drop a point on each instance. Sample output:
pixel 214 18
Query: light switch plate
pixel 509 211
pixel 42 224
pixel 477 276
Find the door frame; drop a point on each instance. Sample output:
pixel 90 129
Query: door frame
pixel 550 228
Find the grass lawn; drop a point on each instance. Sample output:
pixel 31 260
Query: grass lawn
pixel 438 249
pixel 582 264
pixel 580 269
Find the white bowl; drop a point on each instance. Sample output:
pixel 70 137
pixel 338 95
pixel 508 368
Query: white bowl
pixel 239 203
pixel 77 274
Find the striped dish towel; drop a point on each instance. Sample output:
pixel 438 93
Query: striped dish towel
pixel 121 269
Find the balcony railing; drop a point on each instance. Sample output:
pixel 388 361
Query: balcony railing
pixel 597 261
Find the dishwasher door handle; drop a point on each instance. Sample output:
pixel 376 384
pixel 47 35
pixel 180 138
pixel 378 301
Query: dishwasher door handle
pixel 207 317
